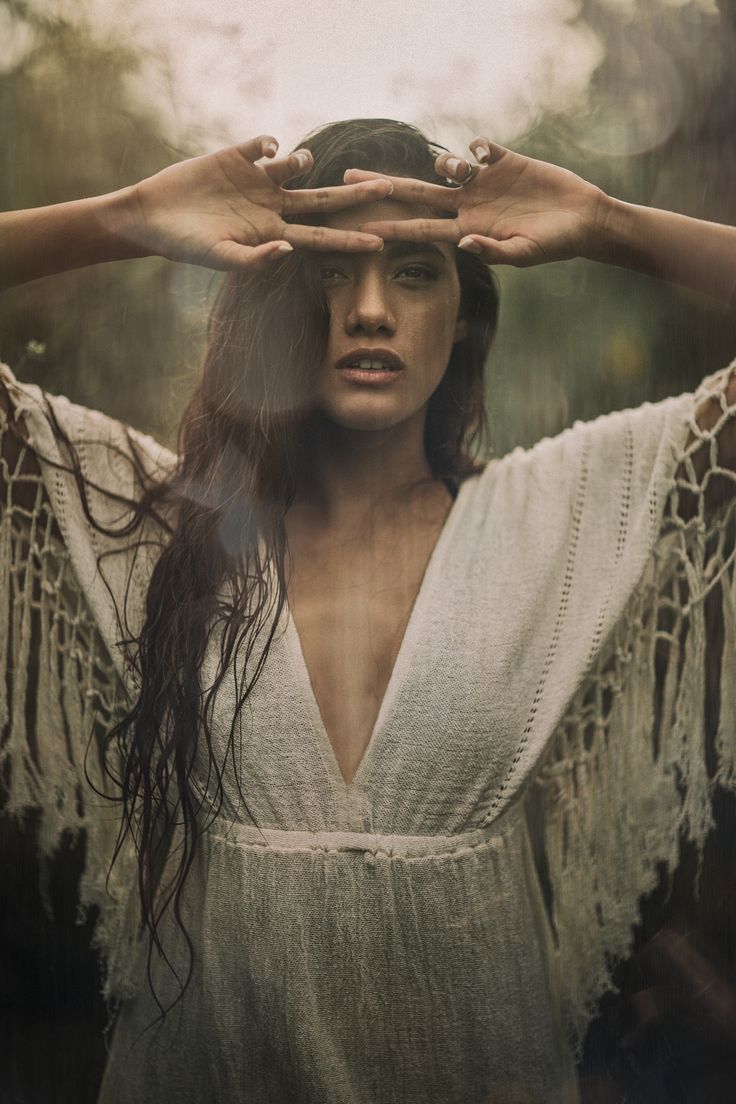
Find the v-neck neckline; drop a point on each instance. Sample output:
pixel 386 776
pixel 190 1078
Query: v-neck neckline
pixel 399 670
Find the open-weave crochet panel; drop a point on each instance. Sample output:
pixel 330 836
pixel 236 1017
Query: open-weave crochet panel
pixel 651 732
pixel 61 698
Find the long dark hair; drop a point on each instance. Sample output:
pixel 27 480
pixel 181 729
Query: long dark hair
pixel 241 443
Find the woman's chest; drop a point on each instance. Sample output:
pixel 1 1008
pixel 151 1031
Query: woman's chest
pixel 429 683
pixel 350 606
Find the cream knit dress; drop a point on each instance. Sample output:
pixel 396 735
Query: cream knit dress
pixel 544 725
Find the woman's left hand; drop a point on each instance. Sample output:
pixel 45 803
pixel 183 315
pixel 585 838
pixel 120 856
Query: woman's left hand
pixel 511 209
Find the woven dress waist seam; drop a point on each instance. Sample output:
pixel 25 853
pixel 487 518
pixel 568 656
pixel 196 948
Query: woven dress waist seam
pixel 248 837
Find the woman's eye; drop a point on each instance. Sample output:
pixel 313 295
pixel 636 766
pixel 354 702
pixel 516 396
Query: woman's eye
pixel 417 272
pixel 330 275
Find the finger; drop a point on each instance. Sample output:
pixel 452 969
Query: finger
pixel 286 168
pixel 324 239
pixel 360 174
pixel 265 145
pixel 409 230
pixel 228 256
pixel 455 168
pixel 332 199
pixel 514 251
pixel 409 190
pixel 486 151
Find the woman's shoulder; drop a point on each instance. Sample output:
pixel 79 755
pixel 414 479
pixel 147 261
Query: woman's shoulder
pixel 94 471
pixel 634 433
pixel 82 424
pixel 115 459
pixel 596 477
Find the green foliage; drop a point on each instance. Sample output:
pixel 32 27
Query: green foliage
pixel 122 337
pixel 578 339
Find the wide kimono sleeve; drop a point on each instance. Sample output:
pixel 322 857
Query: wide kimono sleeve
pixel 650 731
pixel 70 595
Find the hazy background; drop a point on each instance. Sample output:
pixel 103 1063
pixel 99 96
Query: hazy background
pixel 638 96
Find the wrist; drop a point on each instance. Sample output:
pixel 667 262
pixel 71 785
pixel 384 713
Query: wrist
pixel 117 217
pixel 610 232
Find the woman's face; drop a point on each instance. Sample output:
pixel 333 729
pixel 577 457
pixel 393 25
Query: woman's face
pixel 393 322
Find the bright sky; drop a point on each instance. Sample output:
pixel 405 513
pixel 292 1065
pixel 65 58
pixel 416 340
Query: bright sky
pixel 235 68
pixel 240 67
pixel 289 66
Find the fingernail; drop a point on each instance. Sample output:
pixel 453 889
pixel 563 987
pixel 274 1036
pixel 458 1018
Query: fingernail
pixel 284 247
pixel 480 153
pixel 302 159
pixel 271 147
pixel 390 186
pixel 470 245
pixel 453 165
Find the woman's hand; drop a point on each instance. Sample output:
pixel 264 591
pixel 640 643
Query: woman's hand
pixel 511 209
pixel 224 211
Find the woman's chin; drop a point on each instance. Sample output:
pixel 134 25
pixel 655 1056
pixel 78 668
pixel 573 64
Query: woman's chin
pixel 368 416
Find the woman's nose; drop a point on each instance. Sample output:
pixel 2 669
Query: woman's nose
pixel 370 310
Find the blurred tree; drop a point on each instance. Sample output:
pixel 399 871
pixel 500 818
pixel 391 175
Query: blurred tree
pixel 578 339
pixel 121 337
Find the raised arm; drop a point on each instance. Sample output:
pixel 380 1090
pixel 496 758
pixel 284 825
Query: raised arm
pixel 225 210
pixel 519 211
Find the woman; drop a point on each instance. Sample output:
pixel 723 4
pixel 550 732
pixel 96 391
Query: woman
pixel 399 738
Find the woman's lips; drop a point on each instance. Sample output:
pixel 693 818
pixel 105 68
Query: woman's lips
pixel 373 376
pixel 371 366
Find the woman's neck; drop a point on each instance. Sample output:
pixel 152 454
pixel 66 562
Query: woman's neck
pixel 354 473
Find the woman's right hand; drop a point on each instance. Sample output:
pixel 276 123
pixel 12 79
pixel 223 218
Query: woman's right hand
pixel 224 211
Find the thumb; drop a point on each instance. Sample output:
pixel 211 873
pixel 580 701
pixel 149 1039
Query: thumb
pixel 516 251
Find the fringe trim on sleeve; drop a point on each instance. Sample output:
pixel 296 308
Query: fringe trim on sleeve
pixel 627 776
pixel 60 692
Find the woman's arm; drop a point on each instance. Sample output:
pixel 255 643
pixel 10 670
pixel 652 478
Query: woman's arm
pixel 47 240
pixel 687 251
pixel 516 210
pixel 222 211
